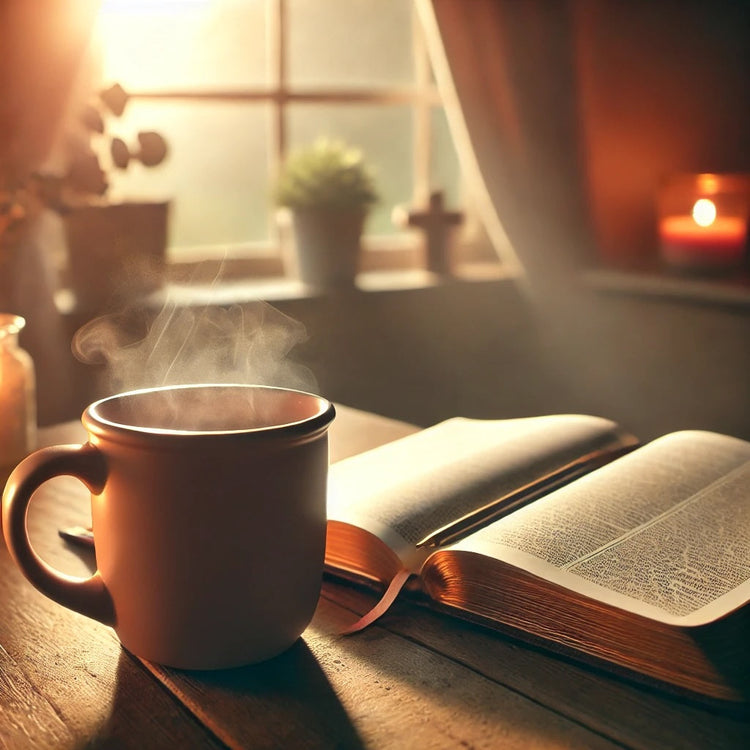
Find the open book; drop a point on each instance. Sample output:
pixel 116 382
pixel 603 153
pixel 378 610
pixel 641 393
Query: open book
pixel 541 527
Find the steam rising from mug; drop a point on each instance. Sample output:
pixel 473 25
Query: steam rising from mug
pixel 185 344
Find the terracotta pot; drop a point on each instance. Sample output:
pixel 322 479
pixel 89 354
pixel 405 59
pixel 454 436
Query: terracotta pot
pixel 328 246
pixel 116 252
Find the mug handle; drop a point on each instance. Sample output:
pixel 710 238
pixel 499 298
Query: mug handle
pixel 89 596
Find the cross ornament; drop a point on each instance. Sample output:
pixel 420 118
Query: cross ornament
pixel 436 222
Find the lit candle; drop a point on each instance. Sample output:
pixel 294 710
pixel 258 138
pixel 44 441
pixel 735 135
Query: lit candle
pixel 703 239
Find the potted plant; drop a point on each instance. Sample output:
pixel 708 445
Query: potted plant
pixel 116 249
pixel 329 190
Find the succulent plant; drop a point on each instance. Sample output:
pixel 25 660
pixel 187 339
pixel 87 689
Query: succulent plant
pixel 328 174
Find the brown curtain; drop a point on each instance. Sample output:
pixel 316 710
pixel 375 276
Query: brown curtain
pixel 507 70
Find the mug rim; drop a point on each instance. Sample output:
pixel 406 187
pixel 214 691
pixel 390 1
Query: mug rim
pixel 307 427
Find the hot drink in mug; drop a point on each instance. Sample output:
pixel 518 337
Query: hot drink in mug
pixel 209 515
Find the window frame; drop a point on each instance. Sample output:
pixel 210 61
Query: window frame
pixel 402 250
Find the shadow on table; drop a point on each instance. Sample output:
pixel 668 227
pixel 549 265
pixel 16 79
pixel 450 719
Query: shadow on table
pixel 85 556
pixel 141 714
pixel 614 706
pixel 284 702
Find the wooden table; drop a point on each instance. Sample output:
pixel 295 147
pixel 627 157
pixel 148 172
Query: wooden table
pixel 416 679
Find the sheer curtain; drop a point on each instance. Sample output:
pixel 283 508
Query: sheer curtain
pixel 507 70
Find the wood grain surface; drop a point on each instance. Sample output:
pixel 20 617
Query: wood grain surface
pixel 415 679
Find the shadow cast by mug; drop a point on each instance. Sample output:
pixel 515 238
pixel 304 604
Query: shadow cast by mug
pixel 142 714
pixel 86 555
pixel 286 701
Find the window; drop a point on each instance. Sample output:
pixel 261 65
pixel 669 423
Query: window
pixel 235 84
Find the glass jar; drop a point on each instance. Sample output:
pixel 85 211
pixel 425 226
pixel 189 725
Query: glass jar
pixel 17 396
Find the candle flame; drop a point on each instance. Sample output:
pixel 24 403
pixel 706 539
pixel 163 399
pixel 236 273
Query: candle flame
pixel 704 212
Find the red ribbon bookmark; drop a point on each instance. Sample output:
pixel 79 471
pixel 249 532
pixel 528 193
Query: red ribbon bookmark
pixel 394 587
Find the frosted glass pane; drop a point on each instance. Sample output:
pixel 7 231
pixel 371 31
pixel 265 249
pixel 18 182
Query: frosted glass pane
pixel 384 134
pixel 215 173
pixel 342 43
pixel 193 44
pixel 445 173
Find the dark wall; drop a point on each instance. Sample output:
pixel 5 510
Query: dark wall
pixel 482 350
pixel 485 350
pixel 663 87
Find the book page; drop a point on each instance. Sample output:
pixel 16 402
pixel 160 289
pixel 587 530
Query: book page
pixel 664 530
pixel 406 489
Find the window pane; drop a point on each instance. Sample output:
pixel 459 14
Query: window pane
pixel 215 172
pixel 445 174
pixel 346 43
pixel 384 134
pixel 183 44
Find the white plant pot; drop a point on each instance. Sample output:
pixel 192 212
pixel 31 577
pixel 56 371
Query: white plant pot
pixel 328 246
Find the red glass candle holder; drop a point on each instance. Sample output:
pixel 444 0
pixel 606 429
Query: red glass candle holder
pixel 703 221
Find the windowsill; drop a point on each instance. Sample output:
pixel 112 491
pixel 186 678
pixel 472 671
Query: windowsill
pixel 730 290
pixel 278 288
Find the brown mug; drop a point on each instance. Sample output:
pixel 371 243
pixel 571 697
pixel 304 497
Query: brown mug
pixel 209 518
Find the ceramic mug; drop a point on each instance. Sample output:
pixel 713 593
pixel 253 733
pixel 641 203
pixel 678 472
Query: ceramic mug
pixel 209 517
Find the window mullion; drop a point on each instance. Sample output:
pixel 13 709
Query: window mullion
pixel 277 30
pixel 422 119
